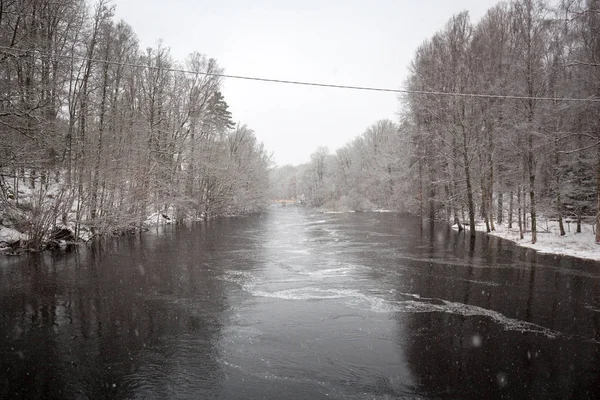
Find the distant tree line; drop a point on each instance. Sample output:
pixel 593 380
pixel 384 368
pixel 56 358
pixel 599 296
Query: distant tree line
pixel 105 133
pixel 369 172
pixel 528 149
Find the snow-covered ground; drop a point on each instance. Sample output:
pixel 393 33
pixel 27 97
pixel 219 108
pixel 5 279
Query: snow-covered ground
pixel 9 235
pixel 549 241
pixel 32 194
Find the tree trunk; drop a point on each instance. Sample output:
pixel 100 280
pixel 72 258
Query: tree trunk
pixel 432 192
pixel 96 176
pixel 524 208
pixel 470 203
pixel 484 211
pixel 500 208
pixel 490 183
pixel 520 221
pixel 598 195
pixel 531 168
pixel 421 189
pixel 561 225
pixel 510 209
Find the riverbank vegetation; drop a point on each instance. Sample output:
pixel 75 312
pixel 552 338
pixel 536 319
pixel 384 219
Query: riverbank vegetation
pixel 529 146
pixel 98 134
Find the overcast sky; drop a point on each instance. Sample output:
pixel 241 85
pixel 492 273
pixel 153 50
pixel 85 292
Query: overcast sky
pixel 352 42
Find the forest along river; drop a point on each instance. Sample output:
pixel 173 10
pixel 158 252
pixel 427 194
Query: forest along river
pixel 295 304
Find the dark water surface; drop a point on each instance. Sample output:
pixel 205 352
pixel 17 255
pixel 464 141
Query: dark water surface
pixel 298 305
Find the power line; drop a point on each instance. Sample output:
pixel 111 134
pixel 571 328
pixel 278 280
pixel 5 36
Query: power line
pixel 315 84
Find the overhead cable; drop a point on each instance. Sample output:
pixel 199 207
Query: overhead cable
pixel 592 99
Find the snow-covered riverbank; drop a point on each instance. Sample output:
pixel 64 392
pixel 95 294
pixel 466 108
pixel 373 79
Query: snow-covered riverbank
pixel 10 235
pixel 549 241
pixel 30 207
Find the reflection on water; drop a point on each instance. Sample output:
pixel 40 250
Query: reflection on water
pixel 298 305
pixel 546 345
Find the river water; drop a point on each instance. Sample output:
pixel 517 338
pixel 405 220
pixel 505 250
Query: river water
pixel 294 304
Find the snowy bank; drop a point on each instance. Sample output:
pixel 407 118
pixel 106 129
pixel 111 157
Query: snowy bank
pixel 10 236
pixel 549 241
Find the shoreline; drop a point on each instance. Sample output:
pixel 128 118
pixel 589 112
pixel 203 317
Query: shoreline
pixel 578 245
pixel 12 241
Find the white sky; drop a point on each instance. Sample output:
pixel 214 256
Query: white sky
pixel 352 42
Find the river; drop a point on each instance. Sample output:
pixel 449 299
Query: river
pixel 294 304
